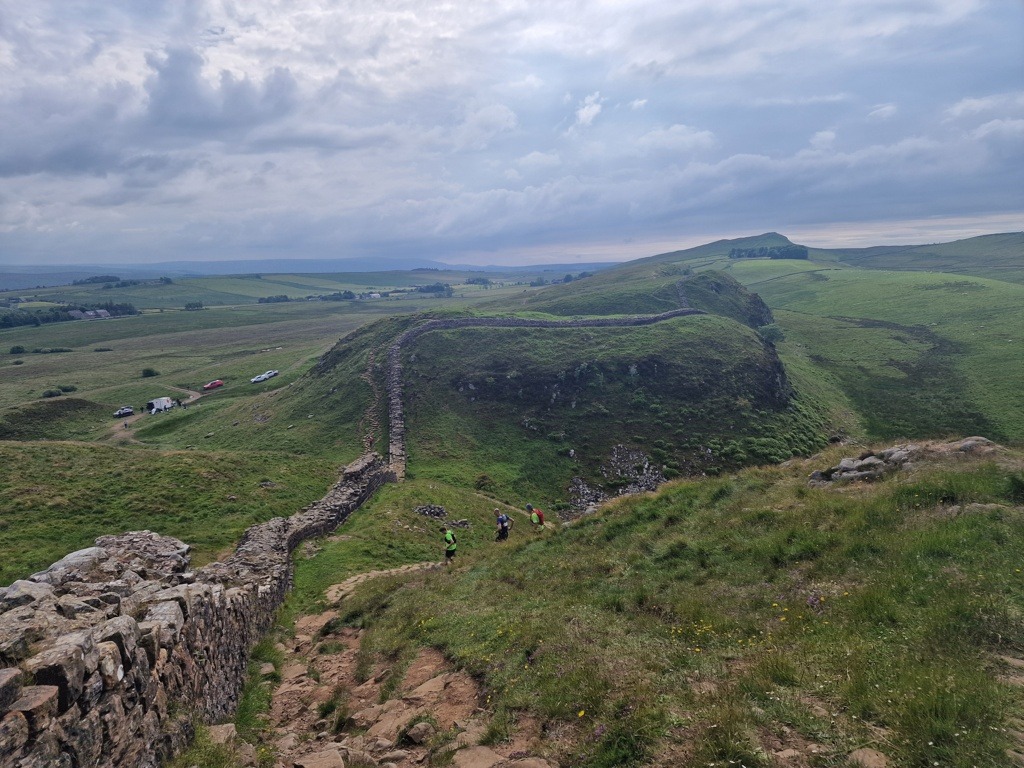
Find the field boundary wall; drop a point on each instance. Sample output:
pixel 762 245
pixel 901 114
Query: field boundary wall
pixel 108 655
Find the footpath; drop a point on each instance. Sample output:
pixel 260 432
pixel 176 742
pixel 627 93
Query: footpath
pixel 328 711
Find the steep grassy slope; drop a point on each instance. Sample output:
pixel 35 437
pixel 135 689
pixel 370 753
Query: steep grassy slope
pixel 918 353
pixel 721 621
pixel 519 411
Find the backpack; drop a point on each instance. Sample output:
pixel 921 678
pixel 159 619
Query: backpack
pixel 540 514
pixel 454 540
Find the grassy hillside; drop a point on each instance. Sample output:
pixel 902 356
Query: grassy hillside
pixel 919 354
pixel 56 497
pixel 721 621
pixel 520 411
pixel 1000 257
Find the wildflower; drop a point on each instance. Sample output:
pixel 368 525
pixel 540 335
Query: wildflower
pixel 581 713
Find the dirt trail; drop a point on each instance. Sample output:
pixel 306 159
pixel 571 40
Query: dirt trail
pixel 121 430
pixel 332 707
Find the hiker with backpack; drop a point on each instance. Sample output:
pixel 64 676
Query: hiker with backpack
pixel 450 544
pixel 536 517
pixel 504 524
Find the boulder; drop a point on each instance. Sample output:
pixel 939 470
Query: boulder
pixel 476 757
pixel 23 592
pixel 328 758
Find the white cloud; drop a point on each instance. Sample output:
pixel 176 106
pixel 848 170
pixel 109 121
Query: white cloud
pixel 539 161
pixel 675 139
pixel 638 103
pixel 1001 102
pixel 823 140
pixel 882 112
pixel 588 109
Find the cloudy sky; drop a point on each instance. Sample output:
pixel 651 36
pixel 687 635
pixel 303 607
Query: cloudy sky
pixel 505 131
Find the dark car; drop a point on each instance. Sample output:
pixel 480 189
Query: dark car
pixel 214 384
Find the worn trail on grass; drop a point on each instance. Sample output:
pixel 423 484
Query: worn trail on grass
pixel 332 709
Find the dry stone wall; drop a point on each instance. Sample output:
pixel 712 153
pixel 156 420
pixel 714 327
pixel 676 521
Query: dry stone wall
pixel 106 656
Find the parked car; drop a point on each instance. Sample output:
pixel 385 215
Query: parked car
pixel 124 410
pixel 213 384
pixel 263 377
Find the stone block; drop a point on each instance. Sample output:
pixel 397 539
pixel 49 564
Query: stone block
pixel 111 666
pixel 13 734
pixel 83 640
pixel 61 666
pixel 10 687
pixel 38 703
pixel 24 592
pixel 124 631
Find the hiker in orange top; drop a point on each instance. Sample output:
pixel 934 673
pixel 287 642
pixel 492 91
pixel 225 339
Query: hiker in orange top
pixel 536 517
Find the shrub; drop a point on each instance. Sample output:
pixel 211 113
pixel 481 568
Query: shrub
pixel 18 362
pixel 148 373
pixel 52 393
pixel 17 349
pixel 67 388
pixel 103 349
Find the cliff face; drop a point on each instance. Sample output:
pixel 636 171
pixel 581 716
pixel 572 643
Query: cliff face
pixel 96 648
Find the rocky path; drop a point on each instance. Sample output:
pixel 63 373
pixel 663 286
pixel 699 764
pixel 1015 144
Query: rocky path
pixel 332 710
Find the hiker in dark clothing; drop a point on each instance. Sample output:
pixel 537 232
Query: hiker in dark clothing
pixel 504 525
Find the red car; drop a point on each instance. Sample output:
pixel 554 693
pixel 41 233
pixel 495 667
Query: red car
pixel 214 384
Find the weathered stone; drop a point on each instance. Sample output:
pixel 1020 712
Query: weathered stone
pixel 92 692
pixel 14 734
pixel 223 734
pixel 124 632
pixel 328 758
pixel 421 733
pixel 111 666
pixel 10 687
pixel 61 666
pixel 530 762
pixel 39 704
pixel 23 592
pixel 82 736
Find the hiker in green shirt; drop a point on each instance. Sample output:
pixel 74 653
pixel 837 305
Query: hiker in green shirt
pixel 536 517
pixel 450 544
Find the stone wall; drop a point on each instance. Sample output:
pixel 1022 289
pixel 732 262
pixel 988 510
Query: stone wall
pixel 396 412
pixel 107 655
